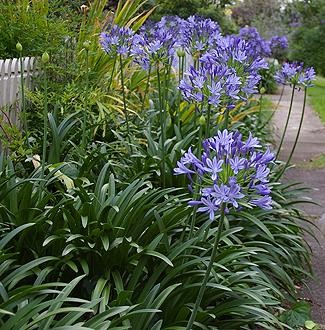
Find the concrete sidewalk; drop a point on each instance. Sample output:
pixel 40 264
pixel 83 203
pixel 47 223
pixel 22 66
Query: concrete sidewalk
pixel 310 144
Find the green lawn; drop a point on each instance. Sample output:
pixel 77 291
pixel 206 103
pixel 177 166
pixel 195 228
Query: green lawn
pixel 317 97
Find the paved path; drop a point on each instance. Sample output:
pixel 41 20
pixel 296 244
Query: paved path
pixel 310 144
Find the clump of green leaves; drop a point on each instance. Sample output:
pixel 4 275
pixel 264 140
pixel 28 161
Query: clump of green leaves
pixel 299 316
pixel 30 23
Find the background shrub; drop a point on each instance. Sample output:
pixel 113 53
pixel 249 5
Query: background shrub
pixel 37 25
pixel 307 43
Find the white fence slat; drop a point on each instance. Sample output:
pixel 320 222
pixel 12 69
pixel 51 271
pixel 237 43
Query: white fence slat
pixel 10 84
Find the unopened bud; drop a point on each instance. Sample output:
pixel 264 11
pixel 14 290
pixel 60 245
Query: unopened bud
pixel 180 52
pixel 19 47
pixel 262 90
pixel 86 44
pixel 202 120
pixel 45 58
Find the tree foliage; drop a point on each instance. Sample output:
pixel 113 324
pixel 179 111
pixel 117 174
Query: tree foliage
pixel 307 20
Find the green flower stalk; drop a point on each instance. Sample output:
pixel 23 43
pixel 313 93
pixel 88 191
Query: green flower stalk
pixel 297 76
pixel 287 121
pixel 112 74
pixel 124 97
pixel 84 120
pixel 297 136
pixel 262 92
pixel 280 98
pixel 162 125
pixel 147 88
pixel 181 62
pixel 45 59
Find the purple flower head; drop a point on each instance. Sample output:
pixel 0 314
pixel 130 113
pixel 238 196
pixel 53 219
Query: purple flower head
pixel 257 44
pixel 229 172
pixel 154 45
pixel 295 74
pixel 232 60
pixel 117 41
pixel 279 46
pixel 198 34
pixel 215 85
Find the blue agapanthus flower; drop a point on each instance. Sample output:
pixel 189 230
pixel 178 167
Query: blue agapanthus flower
pixel 226 75
pixel 198 34
pixel 229 171
pixel 153 46
pixel 117 41
pixel 278 42
pixel 295 74
pixel 235 53
pixel 258 45
pixel 215 85
pixel 279 47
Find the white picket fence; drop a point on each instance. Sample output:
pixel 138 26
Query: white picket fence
pixel 10 85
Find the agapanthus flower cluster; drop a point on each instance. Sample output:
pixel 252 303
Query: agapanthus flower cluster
pixel 279 46
pixel 280 42
pixel 153 46
pixel 216 85
pixel 172 24
pixel 235 53
pixel 228 171
pixel 226 75
pixel 258 45
pixel 198 34
pixel 295 74
pixel 117 41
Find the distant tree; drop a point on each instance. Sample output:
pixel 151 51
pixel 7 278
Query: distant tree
pixel 307 39
pixel 266 16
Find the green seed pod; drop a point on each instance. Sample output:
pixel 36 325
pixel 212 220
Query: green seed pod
pixel 45 58
pixel 19 47
pixel 86 45
pixel 202 120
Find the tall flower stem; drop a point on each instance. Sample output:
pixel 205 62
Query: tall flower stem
pixel 226 119
pixel 297 136
pixel 280 98
pixel 124 98
pixel 45 121
pixel 196 191
pixel 209 268
pixel 112 74
pixel 180 77
pixel 287 121
pixel 207 133
pixel 259 115
pixel 84 120
pixel 147 89
pixel 162 127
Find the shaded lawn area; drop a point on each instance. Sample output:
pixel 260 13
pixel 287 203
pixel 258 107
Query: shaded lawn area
pixel 317 97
